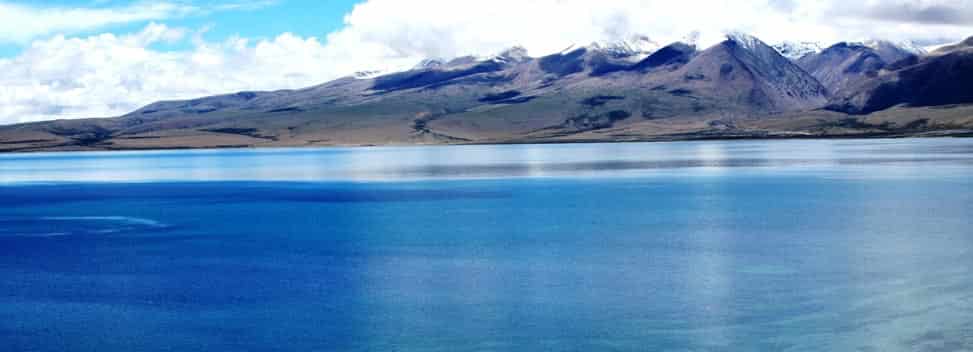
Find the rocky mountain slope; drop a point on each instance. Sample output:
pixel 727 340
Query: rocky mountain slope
pixel 843 66
pixel 631 90
pixel 942 78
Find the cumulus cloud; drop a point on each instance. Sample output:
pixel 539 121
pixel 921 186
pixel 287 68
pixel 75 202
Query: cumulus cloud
pixel 108 75
pixel 450 28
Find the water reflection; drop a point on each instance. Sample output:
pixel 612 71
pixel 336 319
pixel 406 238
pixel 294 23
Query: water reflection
pixel 709 270
pixel 412 163
pixel 794 245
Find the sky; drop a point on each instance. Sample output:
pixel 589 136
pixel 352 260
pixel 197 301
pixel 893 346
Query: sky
pixel 62 59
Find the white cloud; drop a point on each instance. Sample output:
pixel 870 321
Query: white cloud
pixel 449 28
pixel 22 23
pixel 108 75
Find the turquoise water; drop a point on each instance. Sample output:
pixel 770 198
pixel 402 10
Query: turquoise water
pixel 847 245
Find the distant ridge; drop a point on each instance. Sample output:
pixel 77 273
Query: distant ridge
pixel 633 89
pixel 944 78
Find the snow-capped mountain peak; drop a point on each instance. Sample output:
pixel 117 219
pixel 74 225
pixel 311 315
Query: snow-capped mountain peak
pixel 796 50
pixel 746 41
pixel 906 46
pixel 635 45
pixel 513 54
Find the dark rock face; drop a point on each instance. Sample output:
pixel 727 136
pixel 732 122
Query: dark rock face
pixel 430 77
pixel 563 64
pixel 588 122
pixel 906 62
pixel 599 61
pixel 85 134
pixel 968 43
pixel 844 66
pixel 602 64
pixel 508 97
pixel 942 79
pixel 492 98
pixel 674 54
pixel 600 100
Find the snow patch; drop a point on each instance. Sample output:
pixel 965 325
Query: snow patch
pixel 796 50
pixel 637 46
pixel 746 41
pixel 906 46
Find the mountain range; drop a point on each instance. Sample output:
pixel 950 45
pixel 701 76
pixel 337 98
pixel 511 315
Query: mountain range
pixel 633 90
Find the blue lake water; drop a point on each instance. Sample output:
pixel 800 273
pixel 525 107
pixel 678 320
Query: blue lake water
pixel 837 245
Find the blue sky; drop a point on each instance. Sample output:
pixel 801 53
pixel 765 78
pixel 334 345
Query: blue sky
pixel 62 59
pixel 263 20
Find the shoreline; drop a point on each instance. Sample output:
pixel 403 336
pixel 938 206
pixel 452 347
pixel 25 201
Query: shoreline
pixel 958 133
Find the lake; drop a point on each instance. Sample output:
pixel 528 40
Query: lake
pixel 807 245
